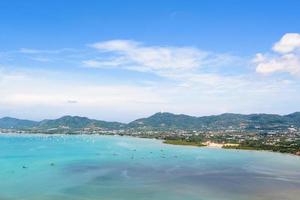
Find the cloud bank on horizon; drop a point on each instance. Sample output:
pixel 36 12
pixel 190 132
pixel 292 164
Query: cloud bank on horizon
pixel 125 79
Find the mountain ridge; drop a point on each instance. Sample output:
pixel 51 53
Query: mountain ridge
pixel 165 121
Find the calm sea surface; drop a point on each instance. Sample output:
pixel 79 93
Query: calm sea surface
pixel 43 167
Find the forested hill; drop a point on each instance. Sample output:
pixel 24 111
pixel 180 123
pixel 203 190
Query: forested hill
pixel 166 121
pixel 218 122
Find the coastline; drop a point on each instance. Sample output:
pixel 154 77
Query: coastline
pixel 208 144
pixel 229 146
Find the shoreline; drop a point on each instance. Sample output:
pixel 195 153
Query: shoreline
pixel 225 146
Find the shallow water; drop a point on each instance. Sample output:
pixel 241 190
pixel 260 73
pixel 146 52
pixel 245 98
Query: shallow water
pixel 43 167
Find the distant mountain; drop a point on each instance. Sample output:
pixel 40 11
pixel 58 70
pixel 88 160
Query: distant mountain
pixel 13 123
pixel 66 121
pixel 76 122
pixel 294 117
pixel 71 122
pixel 225 121
pixel 167 121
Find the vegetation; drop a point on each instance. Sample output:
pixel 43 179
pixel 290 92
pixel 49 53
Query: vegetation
pixel 169 121
pixel 8 122
pixel 184 142
pixel 227 121
pixel 192 140
pixel 70 122
pixel 253 132
pixel 282 147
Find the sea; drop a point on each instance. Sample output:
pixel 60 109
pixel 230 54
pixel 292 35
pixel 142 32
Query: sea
pixel 94 167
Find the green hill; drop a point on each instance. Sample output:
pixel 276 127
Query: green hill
pixel 167 121
pixel 9 123
pixel 76 122
pixel 217 122
pixel 70 122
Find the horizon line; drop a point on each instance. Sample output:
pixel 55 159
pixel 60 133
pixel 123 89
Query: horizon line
pixel 149 116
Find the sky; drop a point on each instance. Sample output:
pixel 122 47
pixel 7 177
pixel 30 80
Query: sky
pixel 119 60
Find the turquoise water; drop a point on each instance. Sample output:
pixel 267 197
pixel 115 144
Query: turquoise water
pixel 40 167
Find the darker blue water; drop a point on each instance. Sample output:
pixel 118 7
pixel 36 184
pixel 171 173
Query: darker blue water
pixel 108 167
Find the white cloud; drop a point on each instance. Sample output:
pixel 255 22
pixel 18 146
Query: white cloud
pixel 285 63
pixel 52 96
pixel 157 59
pixel 286 56
pixel 29 51
pixel 10 76
pixel 116 45
pixel 191 81
pixel 104 63
pixel 43 51
pixel 41 59
pixel 29 89
pixel 41 95
pixel 288 43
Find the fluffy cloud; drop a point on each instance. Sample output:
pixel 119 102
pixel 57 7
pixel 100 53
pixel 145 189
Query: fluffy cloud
pixel 157 59
pixel 285 56
pixel 288 43
pixel 190 81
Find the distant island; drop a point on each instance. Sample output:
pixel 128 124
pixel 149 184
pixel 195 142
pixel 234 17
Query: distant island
pixel 279 133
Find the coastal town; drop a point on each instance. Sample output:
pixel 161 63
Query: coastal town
pixel 285 141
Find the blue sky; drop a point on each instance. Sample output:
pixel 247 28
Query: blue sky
pixel 120 60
